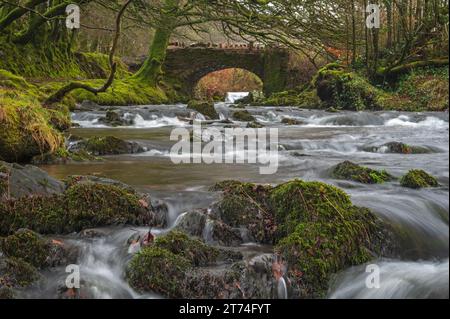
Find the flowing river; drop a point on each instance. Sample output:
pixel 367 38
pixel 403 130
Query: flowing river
pixel 307 151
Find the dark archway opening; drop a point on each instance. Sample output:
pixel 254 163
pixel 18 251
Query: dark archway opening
pixel 216 85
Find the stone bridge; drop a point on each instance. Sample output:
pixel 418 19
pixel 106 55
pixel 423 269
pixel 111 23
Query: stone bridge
pixel 188 65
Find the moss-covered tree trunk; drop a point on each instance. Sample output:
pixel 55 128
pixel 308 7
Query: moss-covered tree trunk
pixel 151 71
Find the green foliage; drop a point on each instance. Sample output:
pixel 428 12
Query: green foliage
pixel 81 206
pixel 427 88
pixel 418 179
pixel 351 171
pixel 15 272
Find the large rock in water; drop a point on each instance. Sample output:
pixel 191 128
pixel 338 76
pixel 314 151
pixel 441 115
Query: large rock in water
pixel 354 172
pixel 107 145
pixel 20 181
pixel 418 179
pixel 204 107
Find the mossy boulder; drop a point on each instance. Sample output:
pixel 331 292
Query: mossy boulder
pixel 159 270
pixel 36 250
pixel 107 145
pixel 81 206
pixel 321 232
pixel 114 119
pixel 204 107
pixel 163 266
pixel 339 87
pixel 303 98
pixel 418 179
pixel 354 172
pixel 243 116
pixel 398 148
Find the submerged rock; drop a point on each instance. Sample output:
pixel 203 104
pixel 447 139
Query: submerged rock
pixel 243 116
pixel 114 119
pixel 418 179
pixel 204 107
pixel 353 172
pixel 107 145
pixel 397 148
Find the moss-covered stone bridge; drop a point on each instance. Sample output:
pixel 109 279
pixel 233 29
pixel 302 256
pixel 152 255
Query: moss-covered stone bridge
pixel 188 65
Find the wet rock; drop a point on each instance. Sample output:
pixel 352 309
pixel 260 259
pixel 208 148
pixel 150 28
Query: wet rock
pixel 417 179
pixel 254 125
pixel 107 145
pixel 204 107
pixel 351 171
pixel 291 121
pixel 397 148
pixel 243 116
pixel 91 233
pixel 192 223
pixel 114 119
pixel 219 233
pixel 18 181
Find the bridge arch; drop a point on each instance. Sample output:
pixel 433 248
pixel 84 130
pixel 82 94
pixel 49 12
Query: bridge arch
pixel 189 65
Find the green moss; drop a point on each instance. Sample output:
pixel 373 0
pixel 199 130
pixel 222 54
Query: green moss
pixel 26 128
pixel 351 171
pixel 4 181
pixel 85 205
pixel 159 270
pixel 306 98
pixel 418 179
pixel 204 107
pixel 398 148
pixel 28 246
pixel 194 250
pixel 243 116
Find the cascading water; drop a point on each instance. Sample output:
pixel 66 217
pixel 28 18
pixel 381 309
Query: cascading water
pixel 307 151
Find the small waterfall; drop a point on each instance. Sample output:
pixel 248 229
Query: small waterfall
pixel 282 292
pixel 208 231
